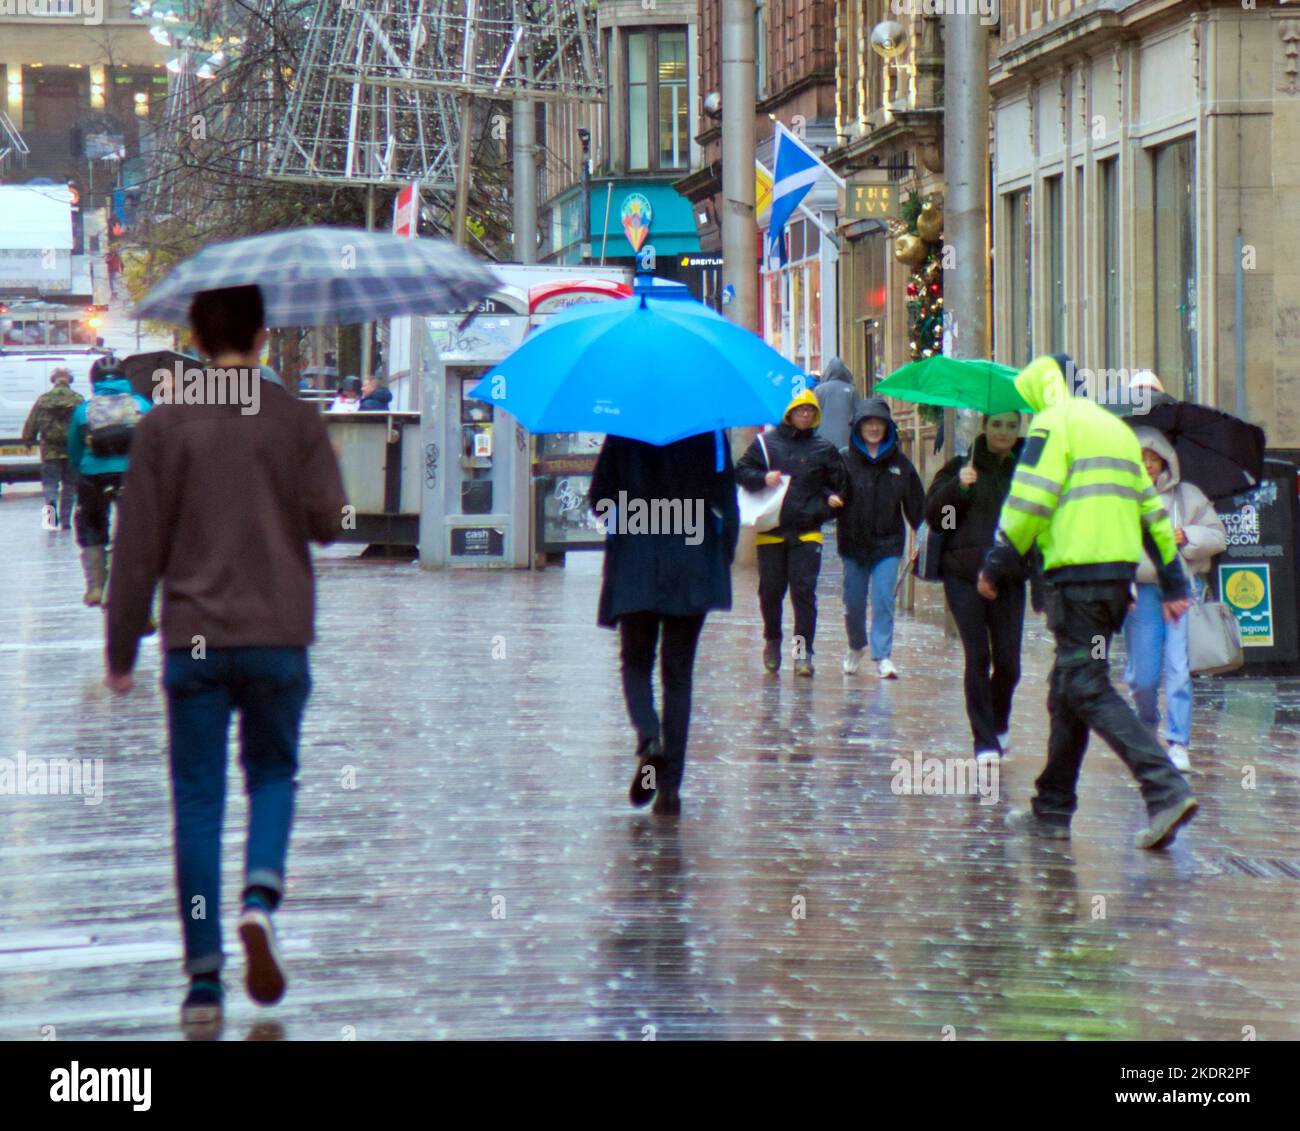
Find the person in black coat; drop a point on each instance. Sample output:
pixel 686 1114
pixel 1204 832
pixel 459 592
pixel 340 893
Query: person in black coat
pixel 884 490
pixel 965 501
pixel 790 554
pixel 671 525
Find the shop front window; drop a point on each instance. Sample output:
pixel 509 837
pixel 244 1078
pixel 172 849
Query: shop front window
pixel 1175 267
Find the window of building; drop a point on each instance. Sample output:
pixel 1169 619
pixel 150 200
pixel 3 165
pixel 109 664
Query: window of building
pixel 794 319
pixel 1019 271
pixel 1174 257
pixel 1056 261
pixel 657 109
pixel 1108 177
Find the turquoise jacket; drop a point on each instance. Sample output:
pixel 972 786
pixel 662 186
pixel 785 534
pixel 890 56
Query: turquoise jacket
pixel 81 457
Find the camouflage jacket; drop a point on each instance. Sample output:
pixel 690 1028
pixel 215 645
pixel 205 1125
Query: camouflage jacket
pixel 49 420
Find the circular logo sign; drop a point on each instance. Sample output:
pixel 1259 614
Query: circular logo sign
pixel 1245 590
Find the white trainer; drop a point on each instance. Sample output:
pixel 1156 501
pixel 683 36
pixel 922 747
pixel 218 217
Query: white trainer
pixel 853 660
pixel 1004 741
pixel 49 519
pixel 887 669
pixel 1180 758
pixel 982 756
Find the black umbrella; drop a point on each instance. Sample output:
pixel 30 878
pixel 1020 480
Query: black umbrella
pixel 140 368
pixel 1217 452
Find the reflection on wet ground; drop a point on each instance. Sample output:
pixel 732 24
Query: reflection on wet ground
pixel 465 864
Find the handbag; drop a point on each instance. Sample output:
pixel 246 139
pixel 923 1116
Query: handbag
pixel 1213 638
pixel 929 548
pixel 761 510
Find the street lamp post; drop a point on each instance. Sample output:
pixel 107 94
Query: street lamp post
pixel 739 226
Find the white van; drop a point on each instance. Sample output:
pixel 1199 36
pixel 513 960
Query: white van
pixel 35 340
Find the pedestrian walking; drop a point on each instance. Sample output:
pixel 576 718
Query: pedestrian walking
pixel 964 502
pixel 790 554
pixel 661 583
pixel 884 492
pixel 1081 493
pixel 220 507
pixel 837 398
pixel 1155 648
pixel 99 441
pixel 49 422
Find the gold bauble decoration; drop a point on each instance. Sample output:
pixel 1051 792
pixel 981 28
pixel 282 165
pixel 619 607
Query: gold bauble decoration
pixel 930 222
pixel 910 250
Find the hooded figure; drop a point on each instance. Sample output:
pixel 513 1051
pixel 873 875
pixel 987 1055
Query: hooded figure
pixel 884 490
pixel 790 555
pixel 838 399
pixel 1081 493
pixel 1154 647
pixel 112 408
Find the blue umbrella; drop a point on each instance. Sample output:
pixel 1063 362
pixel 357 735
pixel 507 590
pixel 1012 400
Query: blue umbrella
pixel 650 368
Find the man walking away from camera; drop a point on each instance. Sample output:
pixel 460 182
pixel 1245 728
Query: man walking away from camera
pixel 49 422
pixel 1080 491
pixel 221 507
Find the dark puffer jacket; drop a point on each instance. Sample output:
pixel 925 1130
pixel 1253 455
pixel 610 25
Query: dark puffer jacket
pixel 974 511
pixel 815 468
pixel 881 492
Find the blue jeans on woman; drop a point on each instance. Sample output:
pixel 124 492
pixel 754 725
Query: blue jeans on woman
pixel 269 688
pixel 876 581
pixel 1157 649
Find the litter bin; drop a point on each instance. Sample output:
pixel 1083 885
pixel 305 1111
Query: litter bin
pixel 1256 576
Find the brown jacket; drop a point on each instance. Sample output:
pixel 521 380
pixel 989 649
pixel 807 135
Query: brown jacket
pixel 221 507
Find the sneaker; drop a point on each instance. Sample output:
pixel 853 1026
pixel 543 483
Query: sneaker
pixel 649 757
pixel 204 1004
pixel 1004 743
pixel 853 660
pixel 263 974
pixel 1027 821
pixel 986 756
pixel 1179 756
pixel 49 518
pixel 886 669
pixel 772 655
pixel 1164 826
pixel 804 668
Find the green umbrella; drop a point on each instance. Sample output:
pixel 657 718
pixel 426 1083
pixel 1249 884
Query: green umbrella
pixel 956 383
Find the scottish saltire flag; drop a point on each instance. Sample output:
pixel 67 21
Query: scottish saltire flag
pixel 797 169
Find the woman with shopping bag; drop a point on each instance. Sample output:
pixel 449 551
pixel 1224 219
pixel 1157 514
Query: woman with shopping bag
pixel 790 552
pixel 1156 648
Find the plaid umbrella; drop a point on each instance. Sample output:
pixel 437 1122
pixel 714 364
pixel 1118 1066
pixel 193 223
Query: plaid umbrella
pixel 325 276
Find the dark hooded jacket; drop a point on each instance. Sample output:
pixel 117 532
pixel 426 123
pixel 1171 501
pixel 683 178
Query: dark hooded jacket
pixel 838 399
pixel 686 573
pixel 815 468
pixel 975 510
pixel 882 490
pixel 378 400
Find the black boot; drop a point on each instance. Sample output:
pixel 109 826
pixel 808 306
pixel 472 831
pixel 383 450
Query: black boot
pixel 772 655
pixel 668 802
pixel 650 764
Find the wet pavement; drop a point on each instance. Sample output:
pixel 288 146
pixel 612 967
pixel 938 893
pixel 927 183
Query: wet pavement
pixel 465 864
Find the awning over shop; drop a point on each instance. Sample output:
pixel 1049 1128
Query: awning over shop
pixel 671 229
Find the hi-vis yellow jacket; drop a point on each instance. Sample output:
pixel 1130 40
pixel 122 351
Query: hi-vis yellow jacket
pixel 1080 491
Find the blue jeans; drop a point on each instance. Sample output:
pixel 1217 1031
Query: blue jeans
pixel 269 687
pixel 878 581
pixel 1157 649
